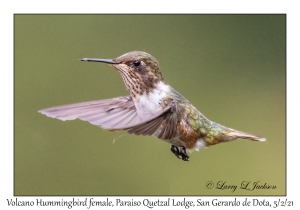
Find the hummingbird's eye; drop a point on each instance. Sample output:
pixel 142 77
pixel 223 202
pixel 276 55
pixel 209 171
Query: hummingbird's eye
pixel 136 62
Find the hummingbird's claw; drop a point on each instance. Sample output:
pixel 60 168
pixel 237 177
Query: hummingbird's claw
pixel 184 156
pixel 180 153
pixel 175 150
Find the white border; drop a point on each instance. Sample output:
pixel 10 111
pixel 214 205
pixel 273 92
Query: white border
pixel 6 71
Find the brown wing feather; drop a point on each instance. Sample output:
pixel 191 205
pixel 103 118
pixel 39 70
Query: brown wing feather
pixel 147 128
pixel 111 114
pixel 166 123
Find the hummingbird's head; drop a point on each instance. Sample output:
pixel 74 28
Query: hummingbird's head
pixel 139 70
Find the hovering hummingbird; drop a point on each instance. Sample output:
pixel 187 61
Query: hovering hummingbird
pixel 152 108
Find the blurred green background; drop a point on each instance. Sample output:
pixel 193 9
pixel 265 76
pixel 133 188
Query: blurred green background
pixel 231 67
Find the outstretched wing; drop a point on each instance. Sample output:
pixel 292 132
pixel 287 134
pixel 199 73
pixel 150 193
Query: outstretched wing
pixel 111 114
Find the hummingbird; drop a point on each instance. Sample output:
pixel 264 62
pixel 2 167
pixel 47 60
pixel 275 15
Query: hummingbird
pixel 152 108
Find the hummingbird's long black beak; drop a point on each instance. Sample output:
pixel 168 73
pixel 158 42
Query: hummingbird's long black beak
pixel 109 61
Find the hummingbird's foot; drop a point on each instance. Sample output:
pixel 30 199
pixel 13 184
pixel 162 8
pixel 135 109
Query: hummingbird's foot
pixel 175 150
pixel 184 156
pixel 180 152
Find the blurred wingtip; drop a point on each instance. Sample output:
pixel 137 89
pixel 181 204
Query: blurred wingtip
pixel 262 139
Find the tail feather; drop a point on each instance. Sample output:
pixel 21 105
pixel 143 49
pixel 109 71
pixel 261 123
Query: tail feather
pixel 239 134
